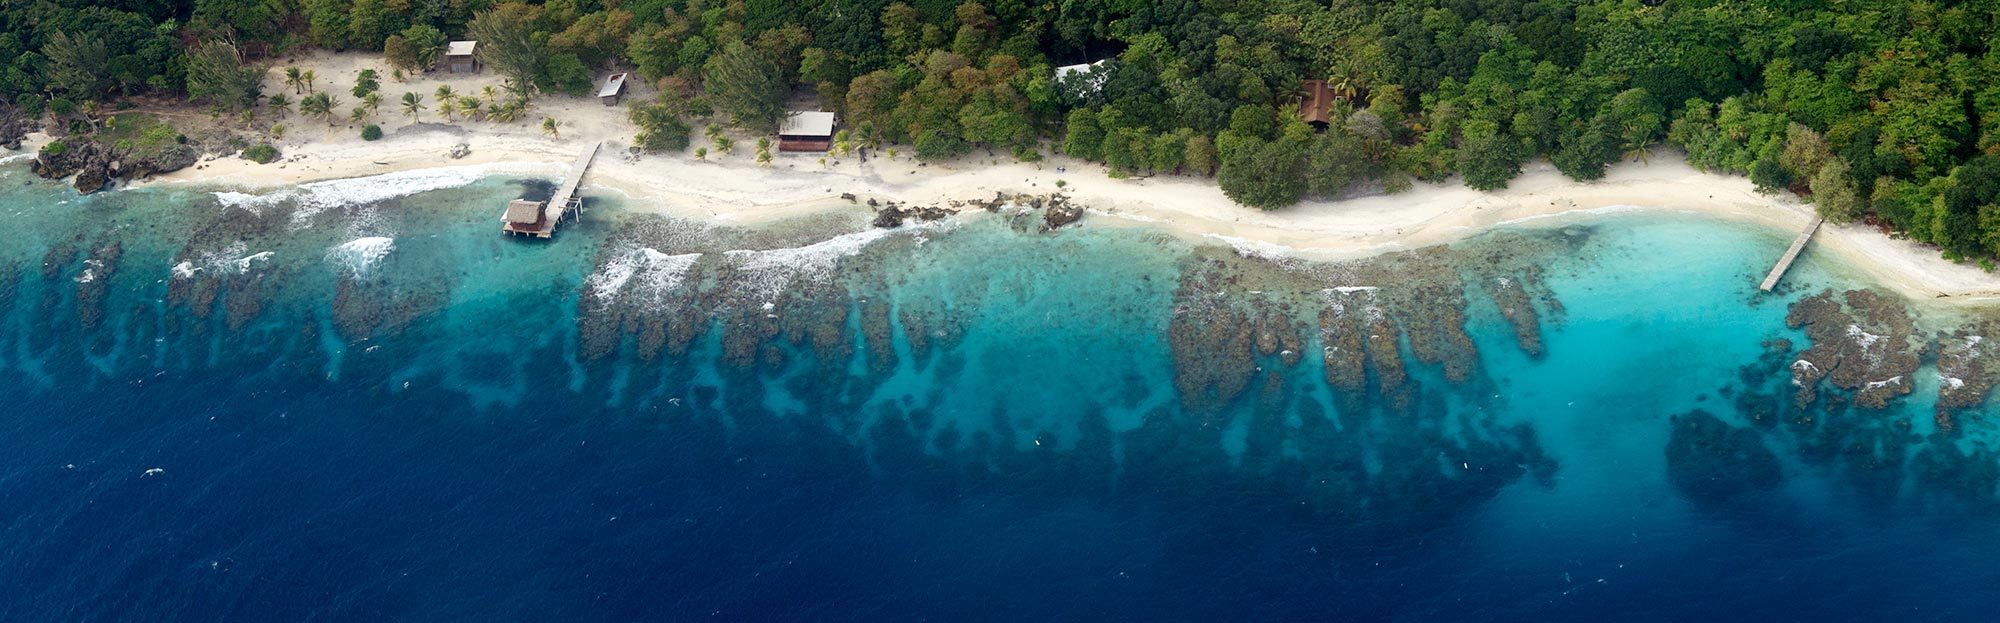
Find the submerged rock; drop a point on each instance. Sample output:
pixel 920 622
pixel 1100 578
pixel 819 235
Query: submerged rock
pixel 1862 341
pixel 1713 462
pixel 1965 377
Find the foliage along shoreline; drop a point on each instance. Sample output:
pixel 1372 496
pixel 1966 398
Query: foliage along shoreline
pixel 1876 111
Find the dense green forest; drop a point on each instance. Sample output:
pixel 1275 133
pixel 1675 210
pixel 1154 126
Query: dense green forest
pixel 1877 110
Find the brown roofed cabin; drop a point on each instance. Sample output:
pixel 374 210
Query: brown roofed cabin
pixel 1317 106
pixel 460 57
pixel 527 218
pixel 613 89
pixel 806 130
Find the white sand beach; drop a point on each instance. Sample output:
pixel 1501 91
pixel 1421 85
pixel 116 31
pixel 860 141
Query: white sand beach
pixel 733 188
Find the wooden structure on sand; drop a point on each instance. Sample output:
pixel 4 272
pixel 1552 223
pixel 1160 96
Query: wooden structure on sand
pixel 612 90
pixel 1791 254
pixel 806 130
pixel 461 57
pixel 540 218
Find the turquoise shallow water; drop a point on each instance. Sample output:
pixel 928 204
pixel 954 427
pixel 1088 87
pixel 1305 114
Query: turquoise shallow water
pixel 399 414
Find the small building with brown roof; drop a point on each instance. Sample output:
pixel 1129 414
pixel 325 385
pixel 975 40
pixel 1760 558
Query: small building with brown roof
pixel 525 217
pixel 1316 108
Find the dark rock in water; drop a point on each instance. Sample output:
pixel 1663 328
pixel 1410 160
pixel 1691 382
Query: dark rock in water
pixel 1965 377
pixel 66 157
pixel 1059 215
pixel 848 196
pixel 1862 341
pixel 888 218
pixel 96 166
pixel 92 179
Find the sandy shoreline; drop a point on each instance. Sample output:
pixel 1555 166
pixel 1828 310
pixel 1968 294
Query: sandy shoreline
pixel 731 188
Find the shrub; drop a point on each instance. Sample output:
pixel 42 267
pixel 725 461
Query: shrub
pixel 55 148
pixel 371 132
pixel 261 153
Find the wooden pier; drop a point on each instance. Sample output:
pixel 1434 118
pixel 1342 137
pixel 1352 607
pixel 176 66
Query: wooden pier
pixel 539 219
pixel 1792 254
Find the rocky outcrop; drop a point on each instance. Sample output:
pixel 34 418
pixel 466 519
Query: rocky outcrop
pixel 13 126
pixel 96 165
pixel 165 159
pixel 1862 341
pixel 893 215
pixel 1060 214
pixel 89 161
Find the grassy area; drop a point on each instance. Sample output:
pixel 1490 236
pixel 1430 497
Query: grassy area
pixel 136 129
pixel 140 135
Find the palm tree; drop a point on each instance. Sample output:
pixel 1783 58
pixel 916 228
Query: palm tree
pixel 358 115
pixel 308 77
pixel 549 127
pixel 472 107
pixel 319 105
pixel 295 80
pixel 447 106
pixel 444 92
pixel 373 101
pixel 279 104
pixel 488 92
pixel 413 104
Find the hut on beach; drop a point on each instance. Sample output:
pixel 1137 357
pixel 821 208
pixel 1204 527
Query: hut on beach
pixel 460 57
pixel 806 130
pixel 1316 108
pixel 612 90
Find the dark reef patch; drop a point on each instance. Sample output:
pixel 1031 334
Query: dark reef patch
pixel 1715 463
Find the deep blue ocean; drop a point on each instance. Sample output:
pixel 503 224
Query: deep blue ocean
pixel 357 401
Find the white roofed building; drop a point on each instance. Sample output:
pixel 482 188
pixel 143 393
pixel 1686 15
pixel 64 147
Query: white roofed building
pixel 806 130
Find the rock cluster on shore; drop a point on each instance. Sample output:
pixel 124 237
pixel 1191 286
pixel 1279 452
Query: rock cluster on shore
pixel 1056 210
pixel 95 165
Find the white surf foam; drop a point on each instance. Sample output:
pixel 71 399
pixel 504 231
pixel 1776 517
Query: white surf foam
pixel 768 273
pixel 1255 248
pixel 650 274
pixel 313 198
pixel 360 255
pixel 235 259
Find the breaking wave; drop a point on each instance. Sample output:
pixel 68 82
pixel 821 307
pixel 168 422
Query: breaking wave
pixel 641 271
pixel 360 255
pixel 315 197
